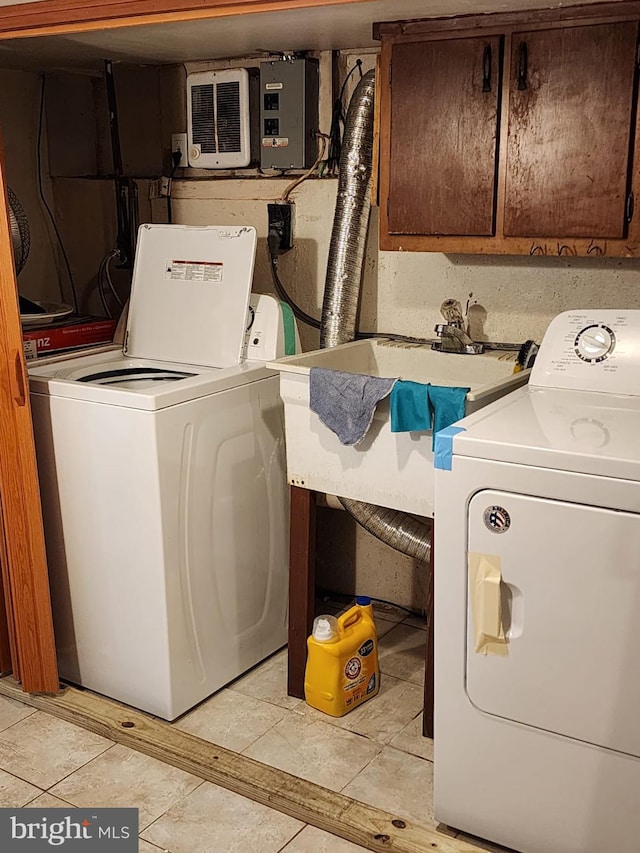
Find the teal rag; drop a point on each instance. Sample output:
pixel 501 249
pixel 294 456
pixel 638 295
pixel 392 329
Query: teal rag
pixel 409 405
pixel 447 406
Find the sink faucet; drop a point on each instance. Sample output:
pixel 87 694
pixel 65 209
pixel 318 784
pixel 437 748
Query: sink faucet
pixel 453 337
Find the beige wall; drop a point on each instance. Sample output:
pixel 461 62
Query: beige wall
pixel 512 298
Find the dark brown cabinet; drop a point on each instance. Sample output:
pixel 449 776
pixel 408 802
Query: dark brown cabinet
pixel 570 107
pixel 444 132
pixel 515 135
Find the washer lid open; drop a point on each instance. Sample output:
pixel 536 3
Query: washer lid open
pixel 190 294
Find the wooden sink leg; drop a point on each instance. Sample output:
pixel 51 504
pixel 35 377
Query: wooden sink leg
pixel 427 719
pixel 302 570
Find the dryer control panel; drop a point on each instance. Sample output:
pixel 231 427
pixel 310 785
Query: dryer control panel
pixel 591 350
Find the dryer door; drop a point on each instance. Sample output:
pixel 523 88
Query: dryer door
pixel 569 604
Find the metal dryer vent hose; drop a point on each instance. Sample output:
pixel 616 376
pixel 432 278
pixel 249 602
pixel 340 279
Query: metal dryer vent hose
pixel 342 293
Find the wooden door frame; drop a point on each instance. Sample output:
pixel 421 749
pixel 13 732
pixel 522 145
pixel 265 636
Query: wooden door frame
pixel 56 17
pixel 27 641
pixel 8 647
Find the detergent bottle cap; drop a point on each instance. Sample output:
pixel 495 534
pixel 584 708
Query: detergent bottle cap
pixel 363 600
pixel 325 629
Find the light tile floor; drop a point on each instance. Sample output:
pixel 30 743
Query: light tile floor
pixel 375 754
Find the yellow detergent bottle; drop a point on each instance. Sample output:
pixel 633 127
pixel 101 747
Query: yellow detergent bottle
pixel 342 661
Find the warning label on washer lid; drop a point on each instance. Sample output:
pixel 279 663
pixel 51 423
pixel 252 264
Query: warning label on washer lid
pixel 194 270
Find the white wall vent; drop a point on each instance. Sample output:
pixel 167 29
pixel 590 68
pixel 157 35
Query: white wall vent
pixel 218 119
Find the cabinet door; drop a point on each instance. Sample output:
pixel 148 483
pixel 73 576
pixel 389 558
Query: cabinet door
pixel 444 123
pixel 571 103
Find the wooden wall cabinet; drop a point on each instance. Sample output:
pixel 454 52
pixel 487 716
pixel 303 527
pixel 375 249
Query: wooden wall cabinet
pixel 443 141
pixel 511 134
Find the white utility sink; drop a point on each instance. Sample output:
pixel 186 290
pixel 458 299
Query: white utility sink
pixel 388 469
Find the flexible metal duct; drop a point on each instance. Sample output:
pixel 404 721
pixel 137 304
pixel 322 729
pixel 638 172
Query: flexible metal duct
pixel 350 221
pixel 342 293
pixel 393 527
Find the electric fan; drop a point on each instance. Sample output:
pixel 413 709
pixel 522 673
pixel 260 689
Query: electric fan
pixel 20 234
pixel 31 313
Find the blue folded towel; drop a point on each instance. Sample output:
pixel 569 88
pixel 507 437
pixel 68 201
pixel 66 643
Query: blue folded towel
pixel 447 406
pixel 409 405
pixel 345 402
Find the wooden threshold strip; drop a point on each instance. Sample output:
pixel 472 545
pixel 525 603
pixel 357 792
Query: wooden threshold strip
pixel 335 813
pixel 55 17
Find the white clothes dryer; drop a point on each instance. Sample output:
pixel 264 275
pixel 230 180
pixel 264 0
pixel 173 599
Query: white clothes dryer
pixel 537 600
pixel 163 480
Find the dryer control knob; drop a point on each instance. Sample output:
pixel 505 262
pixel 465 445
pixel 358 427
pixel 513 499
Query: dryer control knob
pixel 594 343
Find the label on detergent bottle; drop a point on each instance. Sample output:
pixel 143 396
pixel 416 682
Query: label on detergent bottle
pixel 359 680
pixel 366 648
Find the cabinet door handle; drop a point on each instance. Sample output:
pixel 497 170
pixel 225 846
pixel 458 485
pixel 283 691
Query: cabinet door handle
pixel 486 69
pixel 523 62
pixel 16 379
pixel 629 207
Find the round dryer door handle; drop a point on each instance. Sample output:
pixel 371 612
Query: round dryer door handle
pixel 16 378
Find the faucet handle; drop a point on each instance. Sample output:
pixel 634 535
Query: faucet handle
pixel 451 310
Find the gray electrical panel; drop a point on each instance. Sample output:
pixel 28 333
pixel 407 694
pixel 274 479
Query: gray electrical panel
pixel 288 113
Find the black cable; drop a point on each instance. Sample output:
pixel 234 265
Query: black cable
pixel 176 156
pixel 103 297
pixel 337 118
pixel 335 137
pixel 104 275
pixel 283 294
pixel 134 215
pixel 122 183
pixel 340 596
pixel 358 66
pixel 301 315
pixel 107 276
pixel 44 200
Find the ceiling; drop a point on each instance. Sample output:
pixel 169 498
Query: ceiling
pixel 331 27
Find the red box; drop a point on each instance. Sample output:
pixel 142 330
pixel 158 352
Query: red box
pixel 73 332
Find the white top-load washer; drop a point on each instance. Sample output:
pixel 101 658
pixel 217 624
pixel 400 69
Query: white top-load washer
pixel 162 474
pixel 537 597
